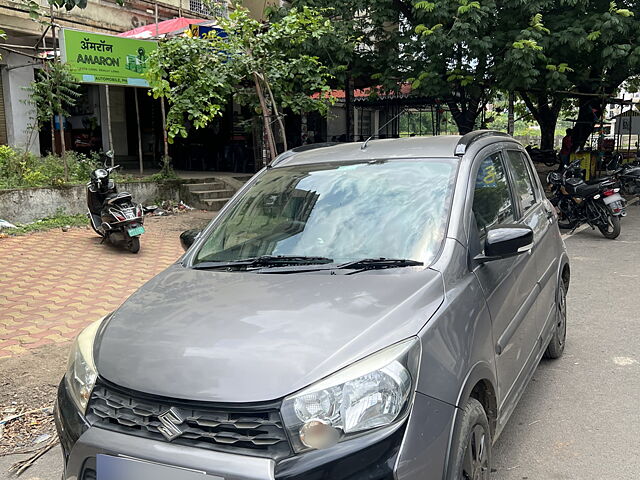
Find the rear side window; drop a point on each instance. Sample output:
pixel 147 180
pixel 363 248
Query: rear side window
pixel 492 197
pixel 525 193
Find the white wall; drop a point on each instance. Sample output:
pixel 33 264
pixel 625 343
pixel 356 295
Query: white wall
pixel 17 74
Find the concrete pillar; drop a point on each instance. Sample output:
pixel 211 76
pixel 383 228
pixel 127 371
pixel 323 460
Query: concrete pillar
pixel 17 74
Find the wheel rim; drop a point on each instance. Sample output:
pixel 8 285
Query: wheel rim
pixel 476 457
pixel 562 316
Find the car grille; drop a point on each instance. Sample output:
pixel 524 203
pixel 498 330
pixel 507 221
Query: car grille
pixel 256 432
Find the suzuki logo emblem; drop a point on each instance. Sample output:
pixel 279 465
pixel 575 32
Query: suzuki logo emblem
pixel 171 421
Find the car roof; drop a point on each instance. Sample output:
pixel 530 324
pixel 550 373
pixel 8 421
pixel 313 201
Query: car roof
pixel 413 147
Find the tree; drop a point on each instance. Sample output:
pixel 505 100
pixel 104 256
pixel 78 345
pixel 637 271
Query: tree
pixel 584 50
pixel 462 51
pixel 264 65
pixel 447 49
pixel 52 92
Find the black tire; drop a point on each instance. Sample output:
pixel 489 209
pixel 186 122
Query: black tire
pixel 133 244
pixel 471 447
pixel 555 349
pixel 612 229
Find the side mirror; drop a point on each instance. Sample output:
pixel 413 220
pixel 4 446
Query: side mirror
pixel 506 241
pixel 187 238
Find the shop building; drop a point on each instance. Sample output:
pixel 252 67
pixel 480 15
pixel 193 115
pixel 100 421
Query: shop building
pixel 86 128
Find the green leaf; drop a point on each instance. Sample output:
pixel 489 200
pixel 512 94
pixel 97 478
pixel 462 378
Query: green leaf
pixel 593 36
pixel 426 6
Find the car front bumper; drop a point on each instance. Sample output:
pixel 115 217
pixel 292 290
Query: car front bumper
pixel 416 449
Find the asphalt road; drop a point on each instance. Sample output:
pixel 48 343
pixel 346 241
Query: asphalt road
pixel 580 416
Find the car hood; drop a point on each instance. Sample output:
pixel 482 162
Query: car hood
pixel 247 337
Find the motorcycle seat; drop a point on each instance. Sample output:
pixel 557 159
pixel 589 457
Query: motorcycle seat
pixel 121 197
pixel 598 181
pixel 585 190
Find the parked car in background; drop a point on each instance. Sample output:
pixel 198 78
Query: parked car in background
pixel 355 312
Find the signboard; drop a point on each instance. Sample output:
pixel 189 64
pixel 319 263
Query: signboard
pixel 203 31
pixel 106 59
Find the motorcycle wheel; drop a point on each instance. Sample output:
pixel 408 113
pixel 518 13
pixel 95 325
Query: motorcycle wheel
pixel 612 229
pixel 133 244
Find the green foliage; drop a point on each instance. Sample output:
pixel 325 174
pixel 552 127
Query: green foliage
pixel 427 6
pixel 197 75
pixel 467 6
pixel 52 92
pixel 166 172
pixel 60 219
pixel 23 169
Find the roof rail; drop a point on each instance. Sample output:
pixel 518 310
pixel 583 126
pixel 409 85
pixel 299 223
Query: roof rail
pixel 467 140
pixel 303 148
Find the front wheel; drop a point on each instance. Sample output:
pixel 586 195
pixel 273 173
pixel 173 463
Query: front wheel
pixel 611 229
pixel 471 448
pixel 555 349
pixel 133 244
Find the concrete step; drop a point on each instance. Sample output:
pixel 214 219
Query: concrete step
pixel 211 194
pixel 215 204
pixel 199 187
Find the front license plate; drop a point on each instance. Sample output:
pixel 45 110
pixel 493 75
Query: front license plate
pixel 134 232
pixel 124 468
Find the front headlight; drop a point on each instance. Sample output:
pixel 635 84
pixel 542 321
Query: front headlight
pixel 372 393
pixel 81 371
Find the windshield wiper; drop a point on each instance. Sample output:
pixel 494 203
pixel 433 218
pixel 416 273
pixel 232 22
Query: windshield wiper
pixel 264 261
pixel 380 263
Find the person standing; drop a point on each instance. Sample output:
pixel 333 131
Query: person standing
pixel 567 148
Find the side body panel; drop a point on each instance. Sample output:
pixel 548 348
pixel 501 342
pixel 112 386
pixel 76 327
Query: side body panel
pixel 459 336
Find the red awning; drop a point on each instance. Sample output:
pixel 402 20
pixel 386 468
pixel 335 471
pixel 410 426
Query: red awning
pixel 175 25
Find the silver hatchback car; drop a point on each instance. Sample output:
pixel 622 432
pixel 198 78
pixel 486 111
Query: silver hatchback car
pixel 354 312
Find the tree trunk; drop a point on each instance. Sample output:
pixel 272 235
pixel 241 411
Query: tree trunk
pixel 547 134
pixel 283 132
pixel 465 119
pixel 266 115
pixel 465 113
pixel 545 111
pixel 53 136
pixel 590 112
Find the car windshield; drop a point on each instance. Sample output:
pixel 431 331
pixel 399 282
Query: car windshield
pixel 396 209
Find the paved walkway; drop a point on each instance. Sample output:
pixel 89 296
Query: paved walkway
pixel 54 283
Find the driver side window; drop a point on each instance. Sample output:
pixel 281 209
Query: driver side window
pixel 492 204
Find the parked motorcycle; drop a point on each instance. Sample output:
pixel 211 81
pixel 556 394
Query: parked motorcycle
pixel 114 216
pixel 599 205
pixel 628 176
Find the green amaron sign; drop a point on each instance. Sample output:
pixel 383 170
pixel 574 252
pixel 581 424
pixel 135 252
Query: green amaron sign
pixel 106 59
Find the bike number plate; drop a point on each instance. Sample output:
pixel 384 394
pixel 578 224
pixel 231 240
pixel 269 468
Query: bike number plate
pixel 134 232
pixel 612 198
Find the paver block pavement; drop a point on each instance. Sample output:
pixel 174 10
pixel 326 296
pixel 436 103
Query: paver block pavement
pixel 53 284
